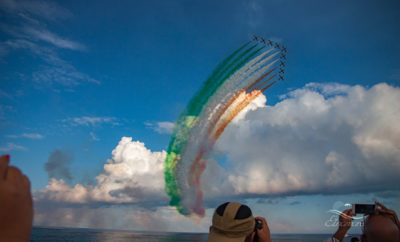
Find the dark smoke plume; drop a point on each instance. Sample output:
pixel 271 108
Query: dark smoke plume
pixel 58 164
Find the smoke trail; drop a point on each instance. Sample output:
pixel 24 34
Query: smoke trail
pixel 232 86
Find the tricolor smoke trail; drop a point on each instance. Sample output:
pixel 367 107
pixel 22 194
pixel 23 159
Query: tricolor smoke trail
pixel 233 85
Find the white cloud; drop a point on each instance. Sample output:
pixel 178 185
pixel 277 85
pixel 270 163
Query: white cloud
pixel 45 35
pixel 32 136
pixel 11 146
pixel 134 174
pixel 90 121
pixel 26 135
pixel 94 137
pixel 44 9
pixel 29 31
pixel 326 89
pixel 161 127
pixel 316 144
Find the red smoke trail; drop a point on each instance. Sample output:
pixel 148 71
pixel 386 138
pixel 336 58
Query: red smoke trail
pixel 265 82
pixel 259 79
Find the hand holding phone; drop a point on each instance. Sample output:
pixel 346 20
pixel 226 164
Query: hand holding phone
pixel 262 230
pixel 358 208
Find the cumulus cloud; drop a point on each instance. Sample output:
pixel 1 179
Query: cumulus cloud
pixel 319 139
pixel 133 175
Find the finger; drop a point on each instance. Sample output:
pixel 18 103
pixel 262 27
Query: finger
pixel 4 161
pixel 346 215
pixel 14 175
pixel 348 211
pixel 381 205
pixel 263 220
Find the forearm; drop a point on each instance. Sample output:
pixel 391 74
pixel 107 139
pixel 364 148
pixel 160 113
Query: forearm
pixel 339 235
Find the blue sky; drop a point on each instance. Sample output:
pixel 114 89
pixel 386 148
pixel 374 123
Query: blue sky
pixel 78 76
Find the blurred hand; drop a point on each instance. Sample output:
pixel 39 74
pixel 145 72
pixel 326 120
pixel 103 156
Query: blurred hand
pixel 345 220
pixel 382 209
pixel 16 212
pixel 263 234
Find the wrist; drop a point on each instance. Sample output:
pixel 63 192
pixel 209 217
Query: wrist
pixel 340 233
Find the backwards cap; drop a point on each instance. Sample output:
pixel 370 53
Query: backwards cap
pixel 232 221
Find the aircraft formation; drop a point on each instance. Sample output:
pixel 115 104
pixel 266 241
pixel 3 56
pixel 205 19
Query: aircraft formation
pixel 277 46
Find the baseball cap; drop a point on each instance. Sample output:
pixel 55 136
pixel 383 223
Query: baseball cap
pixel 231 222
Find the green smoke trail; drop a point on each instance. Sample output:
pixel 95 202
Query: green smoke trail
pixel 233 70
pixel 188 118
pixel 218 81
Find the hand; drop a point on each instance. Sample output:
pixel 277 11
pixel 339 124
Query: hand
pixel 16 212
pixel 345 220
pixel 382 209
pixel 263 234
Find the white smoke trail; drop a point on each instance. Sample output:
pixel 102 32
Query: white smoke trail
pixel 198 135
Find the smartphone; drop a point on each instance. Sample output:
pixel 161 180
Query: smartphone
pixel 259 225
pixel 363 208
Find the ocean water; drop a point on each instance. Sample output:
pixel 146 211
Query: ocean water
pixel 70 234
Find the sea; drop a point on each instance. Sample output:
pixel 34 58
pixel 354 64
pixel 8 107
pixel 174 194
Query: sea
pixel 78 234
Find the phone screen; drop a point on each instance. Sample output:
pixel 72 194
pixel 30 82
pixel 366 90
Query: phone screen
pixel 364 208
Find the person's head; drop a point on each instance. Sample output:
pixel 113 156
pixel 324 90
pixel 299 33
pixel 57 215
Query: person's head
pixel 231 222
pixel 380 227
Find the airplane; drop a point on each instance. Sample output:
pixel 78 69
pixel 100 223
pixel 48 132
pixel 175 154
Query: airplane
pixel 283 56
pixel 270 43
pixel 280 78
pixel 263 40
pixel 284 48
pixel 277 46
pixel 255 38
pixel 282 63
pixel 281 71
